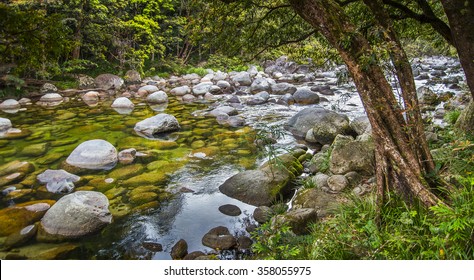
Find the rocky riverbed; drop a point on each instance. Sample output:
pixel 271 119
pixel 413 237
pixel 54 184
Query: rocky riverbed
pixel 178 168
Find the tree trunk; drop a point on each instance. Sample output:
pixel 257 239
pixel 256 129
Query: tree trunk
pixel 397 160
pixel 406 81
pixel 461 20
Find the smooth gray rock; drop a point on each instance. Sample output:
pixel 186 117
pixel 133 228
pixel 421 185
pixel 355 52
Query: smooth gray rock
pixel 160 123
pixel 58 181
pixel 9 104
pixel 157 97
pixel 5 124
pixel 283 88
pixel 74 216
pixel 122 102
pixel 93 154
pixel 305 96
pixel 259 84
pixel 202 88
pixel 231 111
pixel 243 78
pixel 180 91
pixel 148 89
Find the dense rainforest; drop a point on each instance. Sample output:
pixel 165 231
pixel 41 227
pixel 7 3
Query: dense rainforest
pixel 414 201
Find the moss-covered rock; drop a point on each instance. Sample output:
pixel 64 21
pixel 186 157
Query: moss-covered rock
pixel 16 166
pixel 126 171
pixel 42 251
pixel 150 178
pixel 13 219
pixel 266 184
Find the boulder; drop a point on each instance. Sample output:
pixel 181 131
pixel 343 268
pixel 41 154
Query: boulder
pixel 5 124
pixel 132 77
pixel 352 155
pixel 58 181
pixel 229 110
pixel 298 219
pixel 180 91
pixel 148 89
pixel 109 81
pixel 235 121
pixel 315 198
pixel 230 210
pixel 127 156
pixel 427 97
pixel 122 102
pixel 179 250
pixel 15 218
pixel 219 238
pixel 9 104
pixel 259 84
pixel 157 97
pixel 305 96
pixel 91 96
pixel 242 78
pixel 337 183
pixel 16 166
pixel 224 85
pixel 283 88
pixel 86 81
pixel 160 123
pixel 323 89
pixel 263 186
pixel 93 154
pixel 74 216
pixel 259 98
pixel 48 88
pixel 325 124
pixel 262 214
pixel 320 180
pixel 361 125
pixel 202 88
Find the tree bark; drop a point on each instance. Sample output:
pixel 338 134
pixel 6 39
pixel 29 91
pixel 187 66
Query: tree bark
pixel 461 20
pixel 398 164
pixel 406 81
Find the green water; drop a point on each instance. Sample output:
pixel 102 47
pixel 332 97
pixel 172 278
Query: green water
pixel 138 190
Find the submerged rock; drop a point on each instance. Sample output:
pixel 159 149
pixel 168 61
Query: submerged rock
pixel 94 154
pixel 58 181
pixel 75 215
pixel 160 123
pixel 179 250
pixel 230 210
pixel 219 238
pixel 13 219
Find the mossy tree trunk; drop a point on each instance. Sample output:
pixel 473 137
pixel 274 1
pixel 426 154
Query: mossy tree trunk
pixel 400 163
